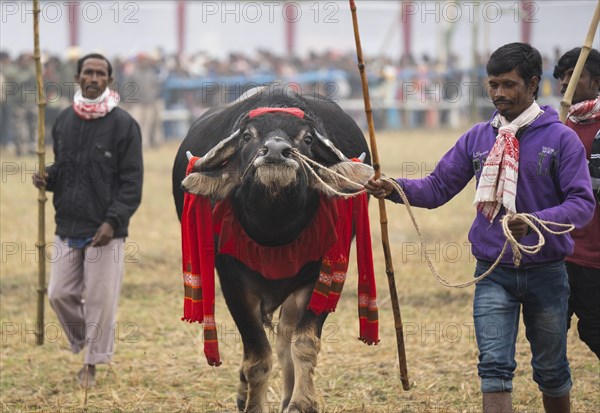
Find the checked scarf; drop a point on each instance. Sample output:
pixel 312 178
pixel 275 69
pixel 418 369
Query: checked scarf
pixel 498 181
pixel 332 228
pixel 586 111
pixel 89 109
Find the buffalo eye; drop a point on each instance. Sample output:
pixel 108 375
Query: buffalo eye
pixel 308 139
pixel 247 136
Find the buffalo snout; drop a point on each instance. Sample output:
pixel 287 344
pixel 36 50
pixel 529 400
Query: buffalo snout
pixel 276 149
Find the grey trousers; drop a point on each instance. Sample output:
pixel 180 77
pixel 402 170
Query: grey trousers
pixel 84 290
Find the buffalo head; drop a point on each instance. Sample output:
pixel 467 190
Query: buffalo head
pixel 269 148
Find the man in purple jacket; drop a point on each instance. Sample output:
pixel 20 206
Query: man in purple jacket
pixel 525 161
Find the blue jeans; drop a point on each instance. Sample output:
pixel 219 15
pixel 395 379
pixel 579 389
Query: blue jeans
pixel 543 291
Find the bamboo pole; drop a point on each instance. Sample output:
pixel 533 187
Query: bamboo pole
pixel 389 267
pixel 41 151
pixel 565 103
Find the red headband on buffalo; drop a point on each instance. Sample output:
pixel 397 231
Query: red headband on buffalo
pixel 290 111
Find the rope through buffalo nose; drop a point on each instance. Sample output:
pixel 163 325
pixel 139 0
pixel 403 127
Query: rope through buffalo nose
pixel 250 164
pixel 306 161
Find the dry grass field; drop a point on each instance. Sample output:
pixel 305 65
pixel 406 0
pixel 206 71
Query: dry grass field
pixel 159 365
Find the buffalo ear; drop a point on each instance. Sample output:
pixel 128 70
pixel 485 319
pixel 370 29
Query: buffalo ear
pixel 219 155
pixel 217 173
pixel 356 174
pixel 215 187
pixel 325 152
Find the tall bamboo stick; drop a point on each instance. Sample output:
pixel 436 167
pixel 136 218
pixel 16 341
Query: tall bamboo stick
pixel 41 151
pixel 565 104
pixel 389 267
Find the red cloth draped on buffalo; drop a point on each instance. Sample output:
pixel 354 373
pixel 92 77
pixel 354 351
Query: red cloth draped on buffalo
pixel 329 237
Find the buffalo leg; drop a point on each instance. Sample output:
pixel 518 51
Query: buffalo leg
pixel 286 327
pixel 257 361
pixel 256 368
pixel 305 347
pixel 242 390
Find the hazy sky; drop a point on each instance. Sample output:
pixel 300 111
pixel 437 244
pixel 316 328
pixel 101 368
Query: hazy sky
pixel 127 27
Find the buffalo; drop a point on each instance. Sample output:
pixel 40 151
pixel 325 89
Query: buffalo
pixel 268 164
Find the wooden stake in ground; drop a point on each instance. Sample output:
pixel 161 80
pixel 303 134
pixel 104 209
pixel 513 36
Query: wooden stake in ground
pixel 389 268
pixel 565 104
pixel 41 151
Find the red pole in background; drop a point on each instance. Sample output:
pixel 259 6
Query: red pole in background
pixel 408 9
pixel 73 22
pixel 525 21
pixel 291 16
pixel 180 27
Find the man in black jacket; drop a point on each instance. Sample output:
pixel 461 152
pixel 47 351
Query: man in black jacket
pixel 97 183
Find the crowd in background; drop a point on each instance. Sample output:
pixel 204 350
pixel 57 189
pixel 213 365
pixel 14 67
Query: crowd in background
pixel 164 93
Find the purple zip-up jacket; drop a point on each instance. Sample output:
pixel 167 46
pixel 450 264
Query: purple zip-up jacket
pixel 554 184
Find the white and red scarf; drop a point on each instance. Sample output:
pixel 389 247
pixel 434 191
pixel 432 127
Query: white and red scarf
pixel 586 111
pixel 498 182
pixel 95 108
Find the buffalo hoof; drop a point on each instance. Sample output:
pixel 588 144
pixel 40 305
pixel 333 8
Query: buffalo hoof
pixel 241 404
pixel 295 407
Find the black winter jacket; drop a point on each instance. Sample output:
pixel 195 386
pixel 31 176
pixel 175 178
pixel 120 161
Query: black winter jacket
pixel 97 172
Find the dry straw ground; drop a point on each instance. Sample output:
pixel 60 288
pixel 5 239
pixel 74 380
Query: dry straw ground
pixel 159 364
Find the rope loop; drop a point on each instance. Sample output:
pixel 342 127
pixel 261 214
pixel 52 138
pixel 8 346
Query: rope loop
pixel 532 222
pixel 306 161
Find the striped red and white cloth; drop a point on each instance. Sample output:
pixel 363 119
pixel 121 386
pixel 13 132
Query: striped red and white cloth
pixel 498 182
pixel 337 220
pixel 97 108
pixel 586 111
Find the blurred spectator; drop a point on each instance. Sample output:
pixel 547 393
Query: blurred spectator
pixel 23 103
pixel 57 95
pixel 386 92
pixel 5 101
pixel 67 73
pixel 144 101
